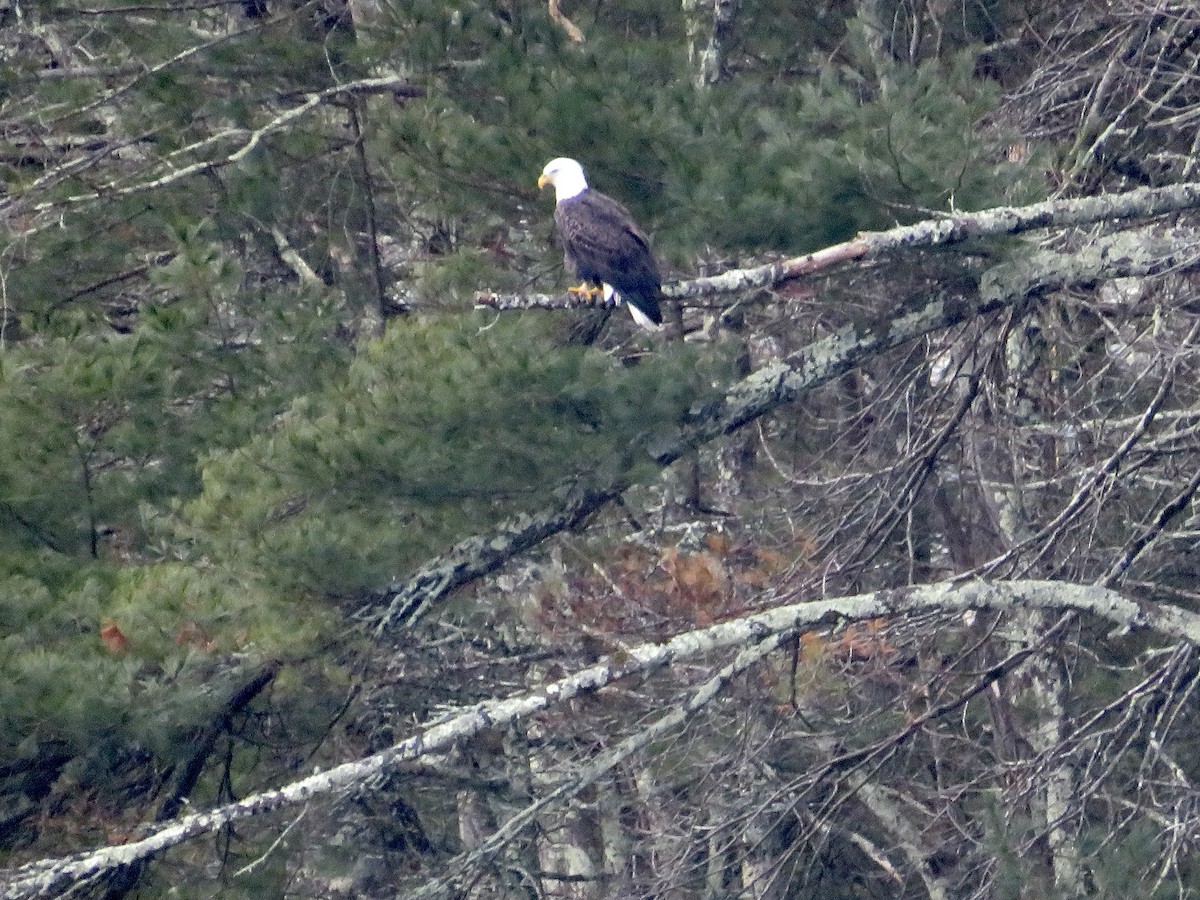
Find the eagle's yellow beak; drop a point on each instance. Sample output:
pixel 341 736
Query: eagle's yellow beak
pixel 543 180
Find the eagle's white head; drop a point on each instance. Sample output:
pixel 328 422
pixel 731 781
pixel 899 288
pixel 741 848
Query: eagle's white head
pixel 567 177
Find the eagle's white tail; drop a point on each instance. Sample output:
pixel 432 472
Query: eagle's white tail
pixel 611 296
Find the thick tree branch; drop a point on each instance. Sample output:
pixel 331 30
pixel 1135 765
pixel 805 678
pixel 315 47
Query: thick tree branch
pixel 462 868
pixel 952 229
pixel 1140 252
pixel 481 555
pixel 53 876
pixel 557 15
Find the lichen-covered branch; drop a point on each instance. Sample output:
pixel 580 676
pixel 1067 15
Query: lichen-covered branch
pixel 463 867
pixel 53 876
pixel 952 229
pixel 709 28
pixel 480 555
pixel 1137 252
pixel 557 15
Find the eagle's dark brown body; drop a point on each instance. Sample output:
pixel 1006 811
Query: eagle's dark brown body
pixel 603 245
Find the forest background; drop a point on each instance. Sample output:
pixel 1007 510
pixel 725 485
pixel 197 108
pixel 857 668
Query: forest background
pixel 342 554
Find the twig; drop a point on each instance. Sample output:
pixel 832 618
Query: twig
pixel 572 30
pixel 255 863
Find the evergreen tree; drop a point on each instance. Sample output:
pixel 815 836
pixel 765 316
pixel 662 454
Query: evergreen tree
pixel 244 395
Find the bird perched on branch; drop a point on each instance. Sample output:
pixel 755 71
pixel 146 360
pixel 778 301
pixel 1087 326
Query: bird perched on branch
pixel 602 245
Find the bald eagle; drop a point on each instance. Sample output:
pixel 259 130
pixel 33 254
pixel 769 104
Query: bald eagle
pixel 602 244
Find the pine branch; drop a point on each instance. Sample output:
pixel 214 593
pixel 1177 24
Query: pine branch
pixel 250 140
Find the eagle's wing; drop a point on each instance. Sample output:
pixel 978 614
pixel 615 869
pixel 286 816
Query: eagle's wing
pixel 603 243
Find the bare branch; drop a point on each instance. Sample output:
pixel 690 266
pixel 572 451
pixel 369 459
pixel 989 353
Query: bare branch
pixel 556 15
pixel 47 877
pixel 1151 532
pixel 953 229
pixel 251 140
pixel 1139 252
pixel 606 762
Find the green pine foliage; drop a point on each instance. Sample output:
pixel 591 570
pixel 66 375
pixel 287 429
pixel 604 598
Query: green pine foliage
pixel 829 163
pixel 204 453
pixel 108 421
pixel 104 430
pixel 761 162
pixel 440 428
pixel 191 635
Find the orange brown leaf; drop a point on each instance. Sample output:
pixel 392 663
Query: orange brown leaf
pixel 113 638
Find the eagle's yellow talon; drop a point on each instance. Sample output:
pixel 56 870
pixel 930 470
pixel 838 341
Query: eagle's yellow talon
pixel 588 293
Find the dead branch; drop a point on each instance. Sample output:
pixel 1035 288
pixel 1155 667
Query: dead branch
pixel 952 229
pixel 572 30
pixel 49 877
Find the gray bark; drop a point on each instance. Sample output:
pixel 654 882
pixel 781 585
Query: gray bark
pixel 754 632
pixel 1140 252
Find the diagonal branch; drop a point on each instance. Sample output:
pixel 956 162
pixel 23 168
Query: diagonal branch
pixel 463 867
pixel 1151 532
pixel 1139 252
pixel 250 139
pixel 949 230
pixel 53 876
pixel 557 15
pixel 125 878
